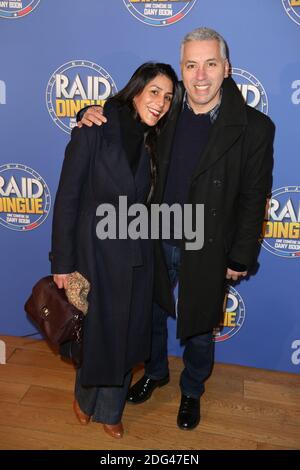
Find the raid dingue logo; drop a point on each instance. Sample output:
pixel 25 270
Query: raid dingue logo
pixel 281 230
pixel 159 12
pixel 73 86
pixel 234 316
pixel 17 9
pixel 24 197
pixel 292 9
pixel 251 88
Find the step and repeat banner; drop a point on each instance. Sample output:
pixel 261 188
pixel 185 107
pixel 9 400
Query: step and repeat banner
pixel 58 56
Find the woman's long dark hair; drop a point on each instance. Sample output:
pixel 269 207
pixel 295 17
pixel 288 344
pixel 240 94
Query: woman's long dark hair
pixel 141 77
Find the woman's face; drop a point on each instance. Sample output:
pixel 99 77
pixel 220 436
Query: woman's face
pixel 155 100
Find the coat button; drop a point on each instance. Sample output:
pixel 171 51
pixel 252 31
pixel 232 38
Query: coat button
pixel 210 240
pixel 217 183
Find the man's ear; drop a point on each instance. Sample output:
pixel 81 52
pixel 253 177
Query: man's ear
pixel 227 68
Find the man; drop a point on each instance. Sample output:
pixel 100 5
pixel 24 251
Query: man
pixel 216 151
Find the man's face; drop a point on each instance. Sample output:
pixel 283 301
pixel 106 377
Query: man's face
pixel 203 70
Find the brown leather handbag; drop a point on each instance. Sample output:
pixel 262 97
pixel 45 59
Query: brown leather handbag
pixel 49 309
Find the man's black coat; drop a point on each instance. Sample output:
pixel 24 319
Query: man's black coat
pixel 233 179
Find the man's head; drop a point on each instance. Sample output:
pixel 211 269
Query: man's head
pixel 204 65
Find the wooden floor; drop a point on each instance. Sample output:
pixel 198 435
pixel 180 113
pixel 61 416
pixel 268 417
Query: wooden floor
pixel 243 408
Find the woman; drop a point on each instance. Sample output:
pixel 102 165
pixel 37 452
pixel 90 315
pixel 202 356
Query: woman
pixel 101 164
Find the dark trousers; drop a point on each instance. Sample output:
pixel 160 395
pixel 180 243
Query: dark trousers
pixel 104 404
pixel 198 353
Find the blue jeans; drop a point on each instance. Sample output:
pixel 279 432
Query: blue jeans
pixel 198 355
pixel 104 404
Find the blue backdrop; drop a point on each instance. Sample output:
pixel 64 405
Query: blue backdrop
pixel 57 56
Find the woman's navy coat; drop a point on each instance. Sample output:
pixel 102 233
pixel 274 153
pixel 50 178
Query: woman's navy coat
pixel 118 324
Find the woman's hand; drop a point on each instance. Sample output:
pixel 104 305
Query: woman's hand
pixel 61 280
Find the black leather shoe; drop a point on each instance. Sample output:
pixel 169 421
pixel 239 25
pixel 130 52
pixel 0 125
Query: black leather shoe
pixel 189 412
pixel 143 389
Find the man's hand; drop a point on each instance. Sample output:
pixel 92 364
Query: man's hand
pixel 61 280
pixel 235 275
pixel 93 115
